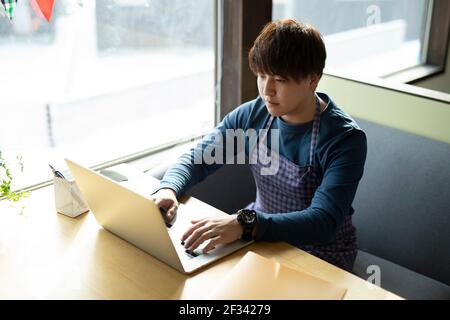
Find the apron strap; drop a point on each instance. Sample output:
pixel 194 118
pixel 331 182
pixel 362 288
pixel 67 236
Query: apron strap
pixel 315 132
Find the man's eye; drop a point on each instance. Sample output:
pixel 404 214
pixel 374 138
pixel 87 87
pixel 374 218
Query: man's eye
pixel 280 80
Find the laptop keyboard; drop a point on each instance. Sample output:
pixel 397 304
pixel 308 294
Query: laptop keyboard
pixel 176 231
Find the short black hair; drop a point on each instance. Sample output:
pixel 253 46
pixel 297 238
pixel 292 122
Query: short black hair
pixel 288 48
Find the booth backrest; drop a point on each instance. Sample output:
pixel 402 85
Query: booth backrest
pixel 402 206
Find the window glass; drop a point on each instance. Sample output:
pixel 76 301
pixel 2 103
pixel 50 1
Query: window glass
pixel 103 79
pixel 365 38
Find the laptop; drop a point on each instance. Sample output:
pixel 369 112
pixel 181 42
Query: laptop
pixel 124 207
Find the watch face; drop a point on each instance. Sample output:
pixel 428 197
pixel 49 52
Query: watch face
pixel 248 216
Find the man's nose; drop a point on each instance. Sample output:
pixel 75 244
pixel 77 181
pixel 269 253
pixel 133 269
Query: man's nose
pixel 268 89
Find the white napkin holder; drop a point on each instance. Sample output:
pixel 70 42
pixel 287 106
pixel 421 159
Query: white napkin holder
pixel 68 198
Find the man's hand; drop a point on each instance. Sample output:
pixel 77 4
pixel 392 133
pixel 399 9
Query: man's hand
pixel 218 230
pixel 166 201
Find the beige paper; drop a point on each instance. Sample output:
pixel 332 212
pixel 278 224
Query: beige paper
pixel 258 278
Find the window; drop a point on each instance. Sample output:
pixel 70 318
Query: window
pixel 367 38
pixel 103 80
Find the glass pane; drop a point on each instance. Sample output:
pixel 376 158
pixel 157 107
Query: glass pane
pixel 104 79
pixel 367 38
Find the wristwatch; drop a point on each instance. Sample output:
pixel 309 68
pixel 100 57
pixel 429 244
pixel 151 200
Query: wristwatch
pixel 247 219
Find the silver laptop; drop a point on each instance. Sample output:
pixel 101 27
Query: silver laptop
pixel 123 206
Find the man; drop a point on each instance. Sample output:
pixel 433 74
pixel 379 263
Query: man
pixel 319 150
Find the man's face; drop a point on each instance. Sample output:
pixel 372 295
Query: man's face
pixel 285 97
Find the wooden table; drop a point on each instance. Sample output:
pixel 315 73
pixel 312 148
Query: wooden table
pixel 46 255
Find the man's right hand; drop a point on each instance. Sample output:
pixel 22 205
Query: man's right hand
pixel 166 200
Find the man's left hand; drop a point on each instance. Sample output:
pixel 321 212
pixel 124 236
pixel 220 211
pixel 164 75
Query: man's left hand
pixel 218 230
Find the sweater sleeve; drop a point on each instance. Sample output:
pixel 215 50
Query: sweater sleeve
pixel 332 200
pixel 208 155
pixel 194 166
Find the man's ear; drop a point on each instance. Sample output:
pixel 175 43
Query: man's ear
pixel 314 81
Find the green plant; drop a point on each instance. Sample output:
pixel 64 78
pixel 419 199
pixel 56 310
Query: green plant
pixel 6 179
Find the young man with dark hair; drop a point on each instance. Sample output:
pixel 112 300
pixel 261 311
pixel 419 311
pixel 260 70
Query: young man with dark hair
pixel 319 149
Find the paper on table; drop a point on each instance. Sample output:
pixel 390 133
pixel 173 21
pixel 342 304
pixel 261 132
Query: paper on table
pixel 258 278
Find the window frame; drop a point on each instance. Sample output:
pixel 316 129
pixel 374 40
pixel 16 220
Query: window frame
pixel 242 22
pixel 435 47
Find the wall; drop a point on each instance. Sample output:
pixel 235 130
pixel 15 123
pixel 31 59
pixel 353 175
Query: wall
pixel 417 114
